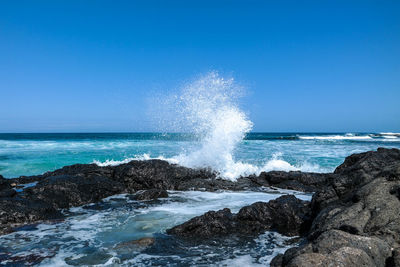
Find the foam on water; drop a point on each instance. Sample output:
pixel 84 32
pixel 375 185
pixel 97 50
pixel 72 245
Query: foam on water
pixel 89 234
pixel 337 137
pixel 233 170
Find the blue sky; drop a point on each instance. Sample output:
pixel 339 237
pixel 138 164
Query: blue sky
pixel 69 66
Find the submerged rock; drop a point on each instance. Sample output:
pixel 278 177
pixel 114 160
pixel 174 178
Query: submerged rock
pixel 138 244
pixel 286 214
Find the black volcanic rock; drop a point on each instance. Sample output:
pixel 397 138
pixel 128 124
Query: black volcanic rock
pixel 353 218
pixel 210 224
pixel 16 211
pixel 357 215
pixel 157 174
pixel 65 191
pixel 4 183
pixel 295 180
pixel 8 193
pixel 286 214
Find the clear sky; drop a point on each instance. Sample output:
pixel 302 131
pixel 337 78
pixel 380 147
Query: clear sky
pixel 91 65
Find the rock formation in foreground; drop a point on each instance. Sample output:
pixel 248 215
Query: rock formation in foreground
pixel 287 215
pixel 352 220
pixel 81 184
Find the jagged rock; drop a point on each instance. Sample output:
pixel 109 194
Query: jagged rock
pixel 65 191
pixel 8 193
pixel 210 224
pixel 157 174
pixel 287 214
pixel 150 194
pixel 4 183
pixel 355 211
pixel 14 211
pixel 344 256
pixel 357 215
pixel 295 180
pixel 377 249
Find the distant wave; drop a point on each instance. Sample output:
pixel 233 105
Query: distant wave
pixel 337 137
pixel 365 137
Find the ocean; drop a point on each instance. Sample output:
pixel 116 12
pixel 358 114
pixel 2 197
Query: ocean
pixel 32 154
pixel 92 235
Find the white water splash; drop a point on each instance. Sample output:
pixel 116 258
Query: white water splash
pixel 208 107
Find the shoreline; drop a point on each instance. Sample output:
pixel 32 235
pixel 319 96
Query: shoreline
pixel 347 205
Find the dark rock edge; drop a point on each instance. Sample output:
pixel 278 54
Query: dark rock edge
pixel 353 218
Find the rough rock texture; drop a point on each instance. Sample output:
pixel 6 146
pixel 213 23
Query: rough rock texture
pixel 16 211
pixel 286 214
pixel 5 188
pixel 353 218
pixel 357 215
pixel 4 183
pixel 294 180
pixel 81 184
pixel 210 224
pixel 150 194
pixel 65 191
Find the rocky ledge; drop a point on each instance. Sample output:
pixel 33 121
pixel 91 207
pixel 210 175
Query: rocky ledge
pixel 32 199
pixel 353 218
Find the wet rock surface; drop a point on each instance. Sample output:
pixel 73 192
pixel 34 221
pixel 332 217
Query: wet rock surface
pixel 353 218
pixel 356 217
pixel 16 211
pixel 286 214
pixel 81 184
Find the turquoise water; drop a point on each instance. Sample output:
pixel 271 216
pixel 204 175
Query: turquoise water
pixel 94 234
pixel 30 154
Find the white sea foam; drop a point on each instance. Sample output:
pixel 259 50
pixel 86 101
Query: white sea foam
pixel 92 230
pixel 111 162
pixel 337 137
pixel 390 133
pixel 209 108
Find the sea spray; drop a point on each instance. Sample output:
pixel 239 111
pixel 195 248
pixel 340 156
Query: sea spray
pixel 208 107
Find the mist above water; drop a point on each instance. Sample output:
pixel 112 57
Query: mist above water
pixel 208 107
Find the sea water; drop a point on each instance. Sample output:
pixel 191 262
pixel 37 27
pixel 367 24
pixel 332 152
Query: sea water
pixel 31 154
pixel 203 126
pixel 91 234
